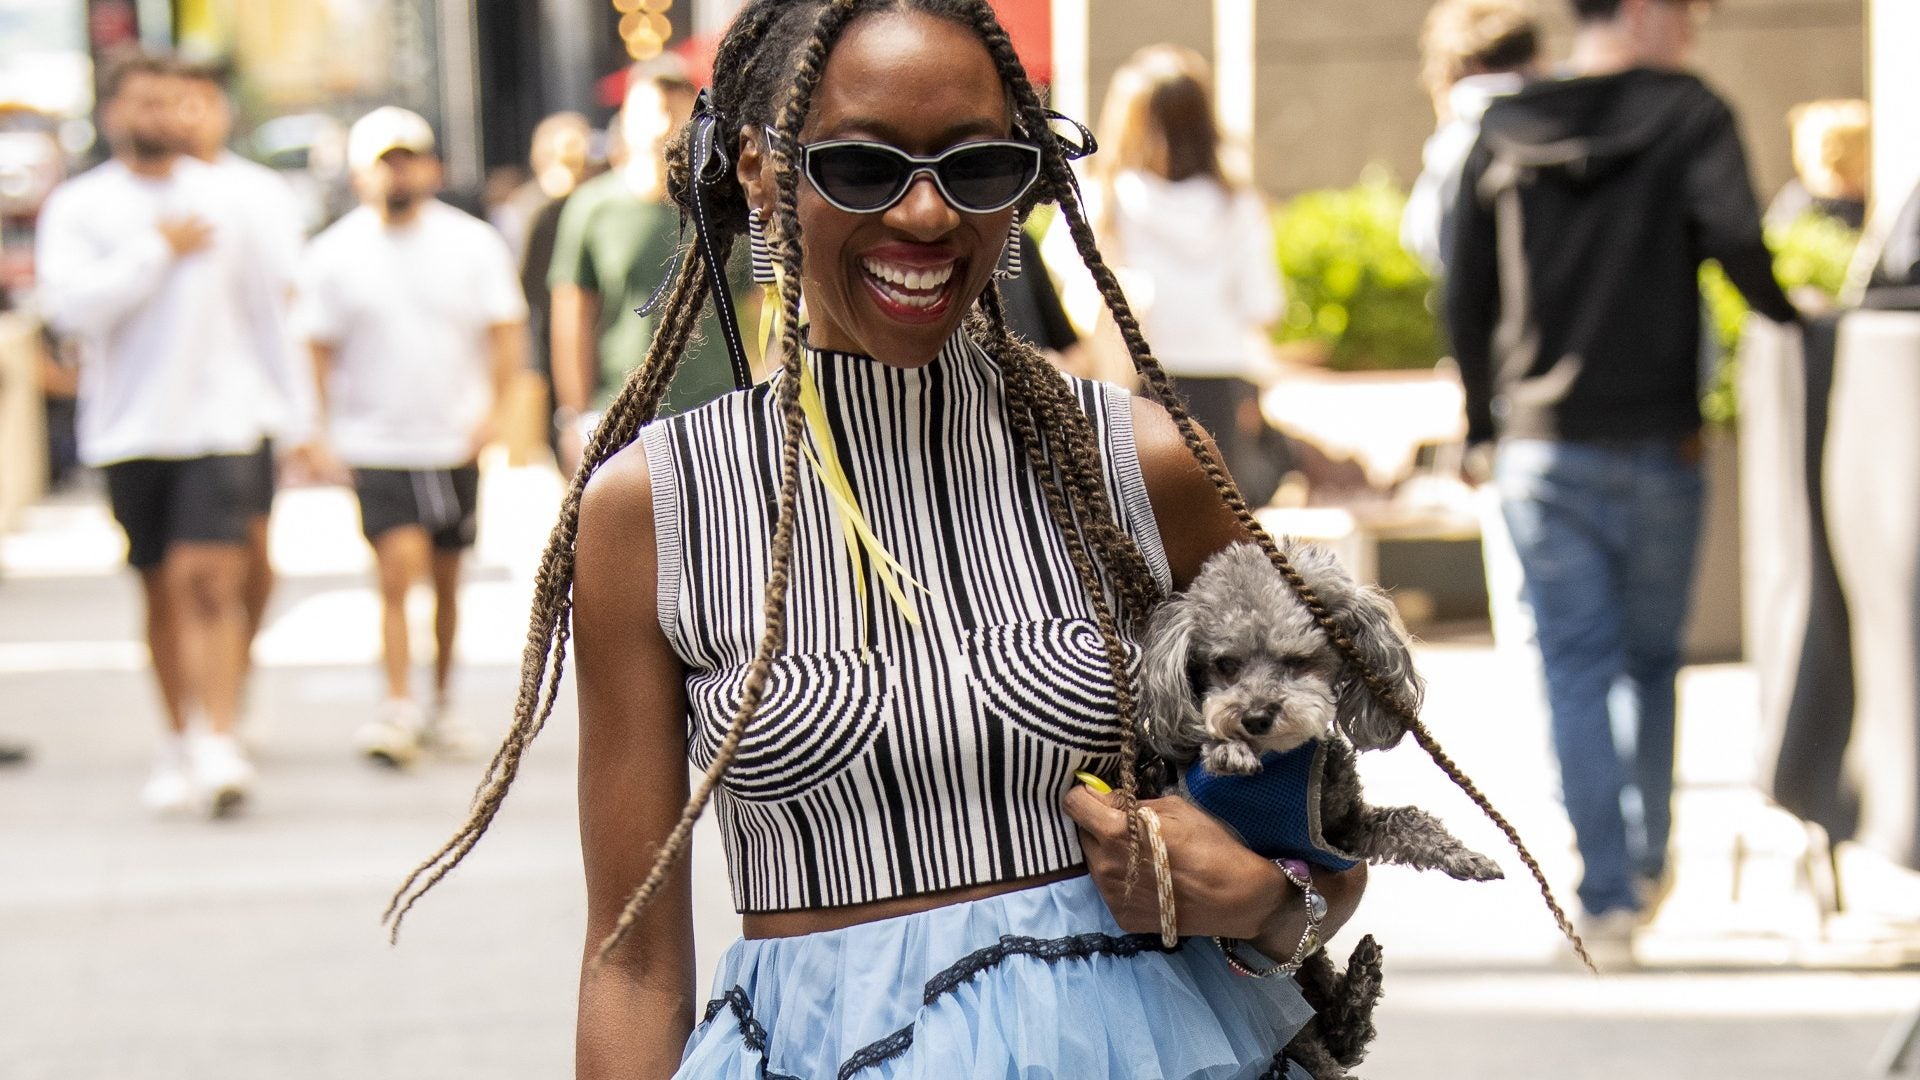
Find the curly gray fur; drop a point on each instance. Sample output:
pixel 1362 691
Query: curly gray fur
pixel 1240 609
pixel 1336 1039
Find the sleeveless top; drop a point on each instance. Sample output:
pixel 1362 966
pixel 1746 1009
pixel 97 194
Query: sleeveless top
pixel 886 759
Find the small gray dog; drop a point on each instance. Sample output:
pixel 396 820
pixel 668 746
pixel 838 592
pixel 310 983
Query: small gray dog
pixel 1236 666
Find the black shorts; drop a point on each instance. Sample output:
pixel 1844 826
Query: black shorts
pixel 445 502
pixel 263 461
pixel 205 500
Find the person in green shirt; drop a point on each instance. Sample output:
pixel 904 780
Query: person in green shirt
pixel 615 244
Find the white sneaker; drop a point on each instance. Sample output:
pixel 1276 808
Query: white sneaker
pixel 449 737
pixel 221 771
pixel 394 739
pixel 1609 939
pixel 169 790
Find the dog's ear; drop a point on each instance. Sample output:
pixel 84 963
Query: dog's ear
pixel 1380 639
pixel 1169 710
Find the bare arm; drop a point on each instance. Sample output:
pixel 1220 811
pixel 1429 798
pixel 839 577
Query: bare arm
pixel 1194 523
pixel 323 357
pixel 506 357
pixel 315 458
pixel 636 1008
pixel 575 320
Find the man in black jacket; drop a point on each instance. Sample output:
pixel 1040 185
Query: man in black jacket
pixel 1585 212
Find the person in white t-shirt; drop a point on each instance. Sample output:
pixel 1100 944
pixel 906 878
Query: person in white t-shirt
pixel 146 262
pixel 415 318
pixel 207 124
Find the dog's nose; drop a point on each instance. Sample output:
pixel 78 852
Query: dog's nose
pixel 1258 723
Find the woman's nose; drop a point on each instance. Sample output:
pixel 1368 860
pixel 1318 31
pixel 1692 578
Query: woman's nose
pixel 923 212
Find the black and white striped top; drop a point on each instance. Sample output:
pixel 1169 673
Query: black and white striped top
pixel 888 760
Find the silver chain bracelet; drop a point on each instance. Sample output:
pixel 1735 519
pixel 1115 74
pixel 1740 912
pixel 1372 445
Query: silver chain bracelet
pixel 1316 909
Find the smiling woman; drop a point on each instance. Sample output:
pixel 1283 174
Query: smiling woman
pixel 888 601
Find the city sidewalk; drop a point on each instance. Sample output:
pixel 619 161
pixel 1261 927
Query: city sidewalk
pixel 156 950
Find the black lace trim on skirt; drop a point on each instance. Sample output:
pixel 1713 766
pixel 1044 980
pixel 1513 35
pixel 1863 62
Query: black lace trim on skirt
pixel 751 1032
pixel 1050 950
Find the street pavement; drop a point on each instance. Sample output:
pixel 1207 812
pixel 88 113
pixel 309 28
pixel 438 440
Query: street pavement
pixel 141 949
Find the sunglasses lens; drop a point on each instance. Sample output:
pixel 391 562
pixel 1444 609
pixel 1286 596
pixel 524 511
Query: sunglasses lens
pixel 859 177
pixel 988 177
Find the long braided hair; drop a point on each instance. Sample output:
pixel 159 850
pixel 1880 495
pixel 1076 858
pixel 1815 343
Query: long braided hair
pixel 776 45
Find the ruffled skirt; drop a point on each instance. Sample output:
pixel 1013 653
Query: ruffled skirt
pixel 1038 984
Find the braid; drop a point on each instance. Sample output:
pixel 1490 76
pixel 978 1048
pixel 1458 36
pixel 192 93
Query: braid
pixel 543 660
pixel 813 59
pixel 1040 432
pixel 1161 389
pixel 744 56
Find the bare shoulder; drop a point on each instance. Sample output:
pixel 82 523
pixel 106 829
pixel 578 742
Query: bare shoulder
pixel 1194 520
pixel 619 498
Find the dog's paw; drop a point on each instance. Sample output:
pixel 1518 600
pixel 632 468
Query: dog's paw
pixel 1467 865
pixel 1230 759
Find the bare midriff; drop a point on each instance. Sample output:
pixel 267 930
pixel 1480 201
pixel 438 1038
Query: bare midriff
pixel 777 924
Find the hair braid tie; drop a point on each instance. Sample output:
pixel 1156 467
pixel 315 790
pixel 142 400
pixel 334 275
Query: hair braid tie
pixel 1163 878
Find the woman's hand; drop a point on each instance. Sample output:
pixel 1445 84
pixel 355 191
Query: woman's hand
pixel 1219 886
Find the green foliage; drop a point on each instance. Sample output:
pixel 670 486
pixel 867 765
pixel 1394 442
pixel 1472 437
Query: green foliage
pixel 1811 252
pixel 1350 286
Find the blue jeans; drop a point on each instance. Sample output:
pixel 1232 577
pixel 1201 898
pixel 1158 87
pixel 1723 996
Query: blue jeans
pixel 1606 534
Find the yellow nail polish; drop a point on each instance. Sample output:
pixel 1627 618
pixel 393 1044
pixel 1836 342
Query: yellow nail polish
pixel 1098 785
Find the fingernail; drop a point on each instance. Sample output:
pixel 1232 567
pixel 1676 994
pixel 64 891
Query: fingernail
pixel 1093 782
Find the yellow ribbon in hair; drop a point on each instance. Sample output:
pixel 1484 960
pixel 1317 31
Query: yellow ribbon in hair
pixel 863 547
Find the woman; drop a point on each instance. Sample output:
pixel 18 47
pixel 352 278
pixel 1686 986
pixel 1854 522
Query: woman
pixel 887 600
pixel 1190 242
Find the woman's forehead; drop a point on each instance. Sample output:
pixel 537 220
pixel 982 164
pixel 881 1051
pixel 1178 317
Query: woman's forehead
pixel 912 79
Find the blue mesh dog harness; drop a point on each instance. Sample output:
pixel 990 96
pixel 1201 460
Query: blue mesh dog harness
pixel 1275 811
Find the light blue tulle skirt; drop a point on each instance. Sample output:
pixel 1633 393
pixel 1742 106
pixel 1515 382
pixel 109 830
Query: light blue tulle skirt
pixel 1032 985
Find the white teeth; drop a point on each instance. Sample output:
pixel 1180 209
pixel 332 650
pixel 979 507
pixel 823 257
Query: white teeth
pixel 912 300
pixel 915 280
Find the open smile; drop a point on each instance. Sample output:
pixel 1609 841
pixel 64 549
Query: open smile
pixel 910 293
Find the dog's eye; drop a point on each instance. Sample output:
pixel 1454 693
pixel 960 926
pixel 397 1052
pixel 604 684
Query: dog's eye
pixel 1226 667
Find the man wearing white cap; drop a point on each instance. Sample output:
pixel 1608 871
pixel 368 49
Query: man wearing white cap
pixel 414 315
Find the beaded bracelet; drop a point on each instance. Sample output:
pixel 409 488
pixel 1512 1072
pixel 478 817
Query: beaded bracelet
pixel 1316 908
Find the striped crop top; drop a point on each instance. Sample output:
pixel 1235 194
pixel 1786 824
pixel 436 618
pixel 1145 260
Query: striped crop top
pixel 886 759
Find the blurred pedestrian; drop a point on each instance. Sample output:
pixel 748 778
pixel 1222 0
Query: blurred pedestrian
pixel 1584 214
pixel 1831 143
pixel 147 261
pixel 614 247
pixel 1471 52
pixel 556 163
pixel 207 124
pixel 560 156
pixel 1192 245
pixel 416 325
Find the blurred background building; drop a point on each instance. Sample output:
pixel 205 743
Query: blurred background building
pixel 1318 89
